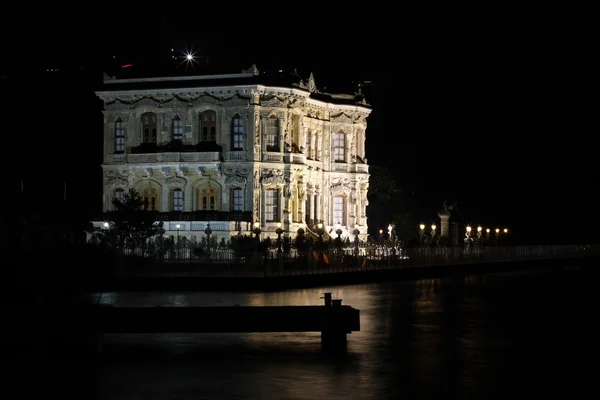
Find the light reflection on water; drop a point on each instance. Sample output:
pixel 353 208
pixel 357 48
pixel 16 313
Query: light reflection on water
pixel 473 337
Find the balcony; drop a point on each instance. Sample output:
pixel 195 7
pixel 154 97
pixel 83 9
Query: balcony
pixel 235 155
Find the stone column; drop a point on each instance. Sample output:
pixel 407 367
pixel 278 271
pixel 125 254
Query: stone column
pixel 311 203
pixel 318 205
pixel 280 204
pixel 444 224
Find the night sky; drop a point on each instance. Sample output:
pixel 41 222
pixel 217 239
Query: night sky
pixel 471 104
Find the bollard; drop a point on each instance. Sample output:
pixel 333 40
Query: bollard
pixel 327 297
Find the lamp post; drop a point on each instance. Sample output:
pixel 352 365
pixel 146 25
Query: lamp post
pixel 468 236
pixel 279 231
pixel 208 231
pixel 356 232
pixel 257 230
pixel 338 230
pixel 505 230
pixel 106 225
pixel 433 231
pixel 320 231
pixel 421 232
pixel 177 244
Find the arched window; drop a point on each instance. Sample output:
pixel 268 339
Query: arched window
pixel 177 199
pixel 208 126
pixel 177 129
pixel 150 199
pixel 149 127
pixel 237 133
pixel 339 210
pixel 271 129
pixel 119 136
pixel 339 147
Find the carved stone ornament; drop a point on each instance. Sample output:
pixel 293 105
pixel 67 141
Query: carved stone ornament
pixel 236 176
pixel 252 70
pixel 273 101
pixel 117 181
pixel 340 185
pixel 342 118
pixel 176 180
pixel 272 177
pixel 312 87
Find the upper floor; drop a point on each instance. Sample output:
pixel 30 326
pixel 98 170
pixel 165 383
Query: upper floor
pixel 235 117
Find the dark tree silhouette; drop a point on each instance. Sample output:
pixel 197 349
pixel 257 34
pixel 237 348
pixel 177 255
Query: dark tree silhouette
pixel 130 223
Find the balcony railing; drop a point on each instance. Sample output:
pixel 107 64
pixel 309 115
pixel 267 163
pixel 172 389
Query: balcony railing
pixel 199 215
pixel 212 156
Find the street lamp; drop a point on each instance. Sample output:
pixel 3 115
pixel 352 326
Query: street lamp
pixel 178 226
pixel 320 231
pixel 421 232
pixel 338 229
pixel 256 229
pixel 106 225
pixel 279 231
pixel 505 230
pixel 356 232
pixel 468 236
pixel 208 231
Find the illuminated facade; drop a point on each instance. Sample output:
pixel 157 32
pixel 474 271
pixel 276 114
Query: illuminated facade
pixel 232 150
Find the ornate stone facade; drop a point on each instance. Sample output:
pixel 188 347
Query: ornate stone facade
pixel 282 154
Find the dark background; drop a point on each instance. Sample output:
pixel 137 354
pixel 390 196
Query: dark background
pixel 480 104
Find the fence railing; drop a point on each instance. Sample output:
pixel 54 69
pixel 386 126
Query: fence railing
pixel 224 262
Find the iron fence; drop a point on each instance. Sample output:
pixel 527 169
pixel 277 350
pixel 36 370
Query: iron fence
pixel 225 262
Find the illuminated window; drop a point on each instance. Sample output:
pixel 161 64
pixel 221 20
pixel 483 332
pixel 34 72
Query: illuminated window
pixel 272 205
pixel 237 134
pixel 177 129
pixel 339 210
pixel 119 195
pixel 208 126
pixel 208 198
pixel 150 199
pixel 339 147
pixel 119 136
pixel 177 199
pixel 271 129
pixel 149 127
pixel 237 199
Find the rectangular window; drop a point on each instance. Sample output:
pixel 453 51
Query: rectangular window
pixel 119 137
pixel 339 145
pixel 272 134
pixel 339 210
pixel 177 200
pixel 237 200
pixel 208 120
pixel 237 135
pixel 272 205
pixel 177 129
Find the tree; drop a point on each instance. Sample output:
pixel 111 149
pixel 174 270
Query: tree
pixel 130 224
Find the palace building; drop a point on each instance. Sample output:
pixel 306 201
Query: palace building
pixel 227 151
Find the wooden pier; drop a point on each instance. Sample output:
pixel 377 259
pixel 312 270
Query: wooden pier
pixel 332 319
